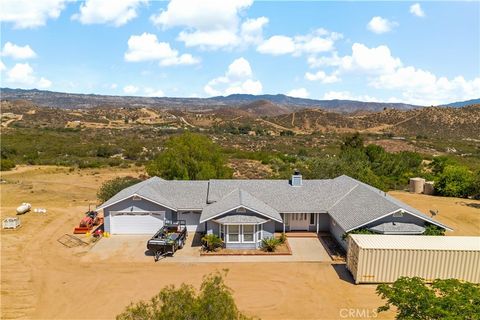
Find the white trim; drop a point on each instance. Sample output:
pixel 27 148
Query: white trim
pixel 260 233
pixel 137 195
pixel 405 211
pixel 235 208
pixel 242 223
pixel 239 234
pixel 243 235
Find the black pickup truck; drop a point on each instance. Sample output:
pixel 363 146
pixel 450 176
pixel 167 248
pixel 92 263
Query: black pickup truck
pixel 168 239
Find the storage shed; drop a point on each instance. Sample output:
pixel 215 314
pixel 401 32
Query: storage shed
pixel 385 258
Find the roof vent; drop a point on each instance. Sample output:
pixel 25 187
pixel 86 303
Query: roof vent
pixel 296 180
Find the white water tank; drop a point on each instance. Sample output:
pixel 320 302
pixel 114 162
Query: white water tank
pixel 416 185
pixel 24 208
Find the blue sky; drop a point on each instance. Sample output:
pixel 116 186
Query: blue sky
pixel 422 53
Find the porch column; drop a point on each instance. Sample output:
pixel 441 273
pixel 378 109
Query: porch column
pixel 318 218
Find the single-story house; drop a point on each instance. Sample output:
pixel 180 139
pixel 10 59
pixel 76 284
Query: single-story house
pixel 243 212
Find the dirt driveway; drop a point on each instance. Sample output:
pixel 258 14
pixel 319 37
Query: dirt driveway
pixel 132 248
pixel 41 279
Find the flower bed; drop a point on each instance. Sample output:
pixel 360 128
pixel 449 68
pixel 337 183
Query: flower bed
pixel 282 250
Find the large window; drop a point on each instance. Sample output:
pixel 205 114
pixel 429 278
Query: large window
pixel 234 233
pixel 248 231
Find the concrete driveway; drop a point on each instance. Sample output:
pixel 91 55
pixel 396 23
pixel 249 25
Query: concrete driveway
pixel 133 249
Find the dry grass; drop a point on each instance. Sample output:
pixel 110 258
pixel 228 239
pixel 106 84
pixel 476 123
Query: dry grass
pixel 41 279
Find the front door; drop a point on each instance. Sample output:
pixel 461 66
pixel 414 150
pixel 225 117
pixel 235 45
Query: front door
pixel 299 221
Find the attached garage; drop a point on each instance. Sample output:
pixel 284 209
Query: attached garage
pixel 135 215
pixel 136 222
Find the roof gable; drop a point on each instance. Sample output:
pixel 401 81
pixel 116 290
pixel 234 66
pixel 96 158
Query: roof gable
pixel 239 198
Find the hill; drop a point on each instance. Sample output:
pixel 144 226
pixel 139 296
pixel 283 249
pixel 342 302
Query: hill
pixel 460 104
pixel 79 101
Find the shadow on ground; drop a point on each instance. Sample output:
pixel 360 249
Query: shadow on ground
pixel 343 273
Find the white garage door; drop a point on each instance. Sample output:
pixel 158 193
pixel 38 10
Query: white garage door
pixel 136 222
pixel 192 220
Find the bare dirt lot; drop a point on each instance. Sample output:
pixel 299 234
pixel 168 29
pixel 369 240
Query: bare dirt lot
pixel 42 279
pixel 462 215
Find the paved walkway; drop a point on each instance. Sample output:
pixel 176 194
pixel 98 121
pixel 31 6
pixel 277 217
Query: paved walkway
pixel 133 249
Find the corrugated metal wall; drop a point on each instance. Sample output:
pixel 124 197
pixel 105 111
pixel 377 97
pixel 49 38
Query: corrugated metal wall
pixel 387 265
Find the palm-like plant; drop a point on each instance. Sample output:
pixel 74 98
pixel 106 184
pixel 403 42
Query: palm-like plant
pixel 212 242
pixel 270 244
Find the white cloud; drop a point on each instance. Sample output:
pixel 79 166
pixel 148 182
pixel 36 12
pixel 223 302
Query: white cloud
pixel 387 72
pixel 375 60
pixel 423 87
pixel 30 14
pixel 237 79
pixel 18 52
pixel 44 83
pixel 22 75
pixel 115 12
pixel 130 89
pixel 277 45
pixel 146 47
pixel 251 30
pixel 346 95
pixel 2 66
pixel 417 10
pixel 322 77
pixel 150 92
pixel 208 24
pixel 298 93
pixel 113 86
pixel 381 25
pixel 318 41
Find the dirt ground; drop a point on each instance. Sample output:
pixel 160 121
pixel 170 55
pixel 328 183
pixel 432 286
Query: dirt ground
pixel 462 215
pixel 42 279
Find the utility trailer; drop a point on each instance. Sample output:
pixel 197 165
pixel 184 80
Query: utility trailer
pixel 168 239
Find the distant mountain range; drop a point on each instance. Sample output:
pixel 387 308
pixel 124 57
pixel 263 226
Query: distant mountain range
pixel 286 103
pixel 460 104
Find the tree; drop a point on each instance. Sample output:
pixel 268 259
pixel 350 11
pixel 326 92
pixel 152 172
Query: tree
pixel 190 157
pixel 354 141
pixel 455 181
pixel 214 301
pixel 444 299
pixel 112 187
pixel 439 163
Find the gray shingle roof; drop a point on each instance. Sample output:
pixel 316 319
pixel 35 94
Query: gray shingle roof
pixel 149 189
pixel 350 203
pixel 398 228
pixel 241 219
pixel 176 195
pixel 364 203
pixel 235 199
pixel 312 196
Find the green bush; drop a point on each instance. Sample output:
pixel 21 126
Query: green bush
pixel 455 181
pixel 433 230
pixel 413 298
pixel 114 186
pixel 214 301
pixel 6 164
pixel 212 242
pixel 270 244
